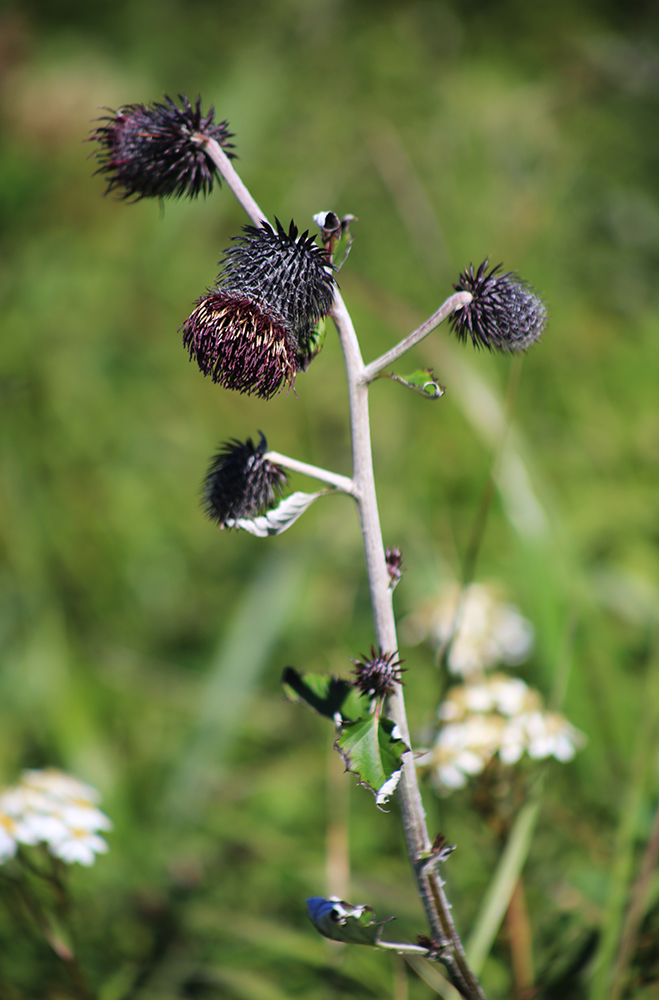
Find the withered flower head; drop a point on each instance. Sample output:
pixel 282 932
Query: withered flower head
pixel 263 321
pixel 504 314
pixel 377 675
pixel 241 482
pixel 157 150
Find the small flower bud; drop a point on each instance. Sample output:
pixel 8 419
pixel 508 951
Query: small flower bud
pixel 262 322
pixel 241 482
pixel 377 675
pixel 504 314
pixel 157 150
pixel 394 559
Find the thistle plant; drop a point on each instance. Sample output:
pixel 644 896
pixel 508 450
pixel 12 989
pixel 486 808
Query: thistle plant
pixel 259 327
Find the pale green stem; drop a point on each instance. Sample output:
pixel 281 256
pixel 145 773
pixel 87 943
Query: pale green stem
pixel 315 472
pixel 456 301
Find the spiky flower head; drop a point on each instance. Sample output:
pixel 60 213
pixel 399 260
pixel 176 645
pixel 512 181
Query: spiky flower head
pixel 377 675
pixel 241 482
pixel 505 314
pixel 157 150
pixel 263 321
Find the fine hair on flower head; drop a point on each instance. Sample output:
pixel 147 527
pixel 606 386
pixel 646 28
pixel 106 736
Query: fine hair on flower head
pixel 264 320
pixel 157 150
pixel 504 314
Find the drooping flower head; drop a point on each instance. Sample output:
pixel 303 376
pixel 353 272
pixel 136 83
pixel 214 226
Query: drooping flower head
pixel 241 482
pixel 157 150
pixel 264 320
pixel 378 674
pixel 505 314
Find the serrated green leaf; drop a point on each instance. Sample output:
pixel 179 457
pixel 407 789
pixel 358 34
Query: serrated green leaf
pixel 422 382
pixel 370 748
pixel 325 694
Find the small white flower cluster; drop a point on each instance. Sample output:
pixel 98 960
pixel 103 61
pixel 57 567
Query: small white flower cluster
pixel 55 809
pixel 481 628
pixel 498 715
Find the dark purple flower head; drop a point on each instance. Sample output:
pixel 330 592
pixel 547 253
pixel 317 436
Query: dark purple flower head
pixel 263 321
pixel 240 344
pixel 377 675
pixel 241 482
pixel 157 150
pixel 504 314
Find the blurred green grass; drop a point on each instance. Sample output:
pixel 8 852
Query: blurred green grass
pixel 453 133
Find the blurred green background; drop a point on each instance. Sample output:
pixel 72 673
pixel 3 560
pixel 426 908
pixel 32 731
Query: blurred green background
pixel 141 648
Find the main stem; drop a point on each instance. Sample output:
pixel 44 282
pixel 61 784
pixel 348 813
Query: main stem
pixel 419 847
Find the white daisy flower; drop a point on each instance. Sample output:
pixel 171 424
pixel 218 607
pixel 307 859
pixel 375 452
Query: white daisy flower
pixel 60 785
pixel 55 809
pixel 494 715
pixel 79 845
pixel 482 630
pixel 8 843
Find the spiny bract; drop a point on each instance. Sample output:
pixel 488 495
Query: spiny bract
pixel 377 675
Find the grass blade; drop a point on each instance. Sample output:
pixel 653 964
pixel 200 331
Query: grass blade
pixel 500 890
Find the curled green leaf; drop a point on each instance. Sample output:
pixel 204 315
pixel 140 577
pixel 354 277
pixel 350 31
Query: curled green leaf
pixel 422 382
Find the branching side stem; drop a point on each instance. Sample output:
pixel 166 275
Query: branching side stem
pixel 456 301
pixel 419 847
pixel 314 471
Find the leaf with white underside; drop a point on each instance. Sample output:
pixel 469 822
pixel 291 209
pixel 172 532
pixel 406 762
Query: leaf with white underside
pixel 422 382
pixel 372 749
pixel 279 519
pixel 341 921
